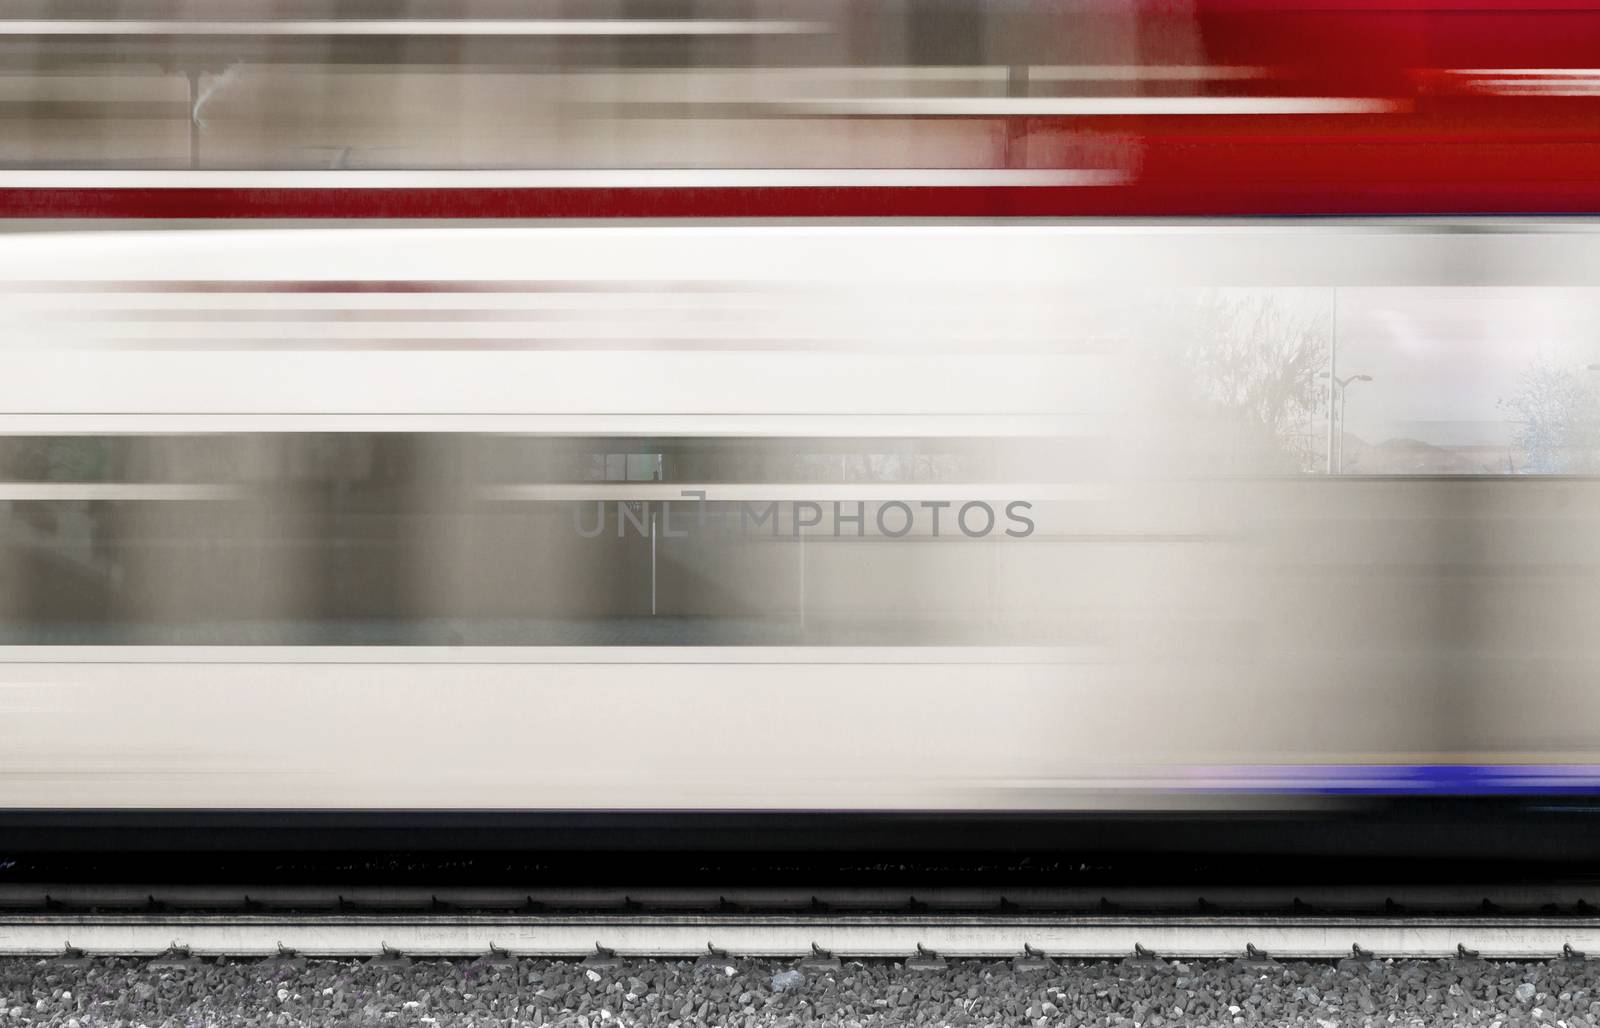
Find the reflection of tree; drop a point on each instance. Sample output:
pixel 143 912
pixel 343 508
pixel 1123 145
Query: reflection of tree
pixel 1557 419
pixel 1249 360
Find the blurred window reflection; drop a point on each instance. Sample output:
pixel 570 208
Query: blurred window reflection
pixel 494 540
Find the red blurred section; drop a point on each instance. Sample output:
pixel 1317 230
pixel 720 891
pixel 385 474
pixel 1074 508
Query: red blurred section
pixel 1487 108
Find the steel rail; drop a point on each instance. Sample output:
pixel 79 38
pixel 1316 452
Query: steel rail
pixel 895 936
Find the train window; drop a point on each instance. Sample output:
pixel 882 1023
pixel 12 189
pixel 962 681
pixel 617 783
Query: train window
pixel 629 467
pixel 1459 381
pixel 352 539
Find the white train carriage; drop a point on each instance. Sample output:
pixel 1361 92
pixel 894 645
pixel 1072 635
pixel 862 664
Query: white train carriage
pixel 780 518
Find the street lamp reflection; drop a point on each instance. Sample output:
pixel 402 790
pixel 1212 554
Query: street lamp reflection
pixel 1336 438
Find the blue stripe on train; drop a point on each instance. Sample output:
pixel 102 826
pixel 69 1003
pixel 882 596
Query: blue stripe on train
pixel 1405 779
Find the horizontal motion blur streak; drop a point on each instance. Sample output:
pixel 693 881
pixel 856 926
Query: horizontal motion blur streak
pixel 440 27
pixel 1107 106
pixel 615 178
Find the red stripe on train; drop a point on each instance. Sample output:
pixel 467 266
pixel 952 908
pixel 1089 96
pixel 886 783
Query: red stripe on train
pixel 1199 199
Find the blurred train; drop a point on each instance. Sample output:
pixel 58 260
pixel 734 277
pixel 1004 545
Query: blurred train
pixel 797 108
pixel 1014 519
pixel 673 496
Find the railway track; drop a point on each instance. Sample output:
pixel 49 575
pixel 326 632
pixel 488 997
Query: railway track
pixel 1505 922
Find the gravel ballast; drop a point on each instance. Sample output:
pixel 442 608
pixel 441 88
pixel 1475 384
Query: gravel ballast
pixel 105 992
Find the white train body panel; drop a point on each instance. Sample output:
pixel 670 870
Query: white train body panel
pixel 409 518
